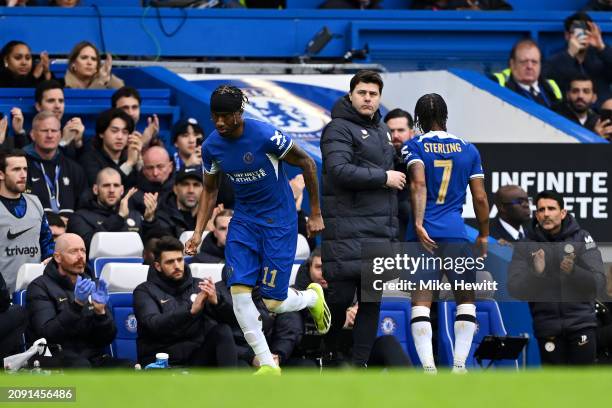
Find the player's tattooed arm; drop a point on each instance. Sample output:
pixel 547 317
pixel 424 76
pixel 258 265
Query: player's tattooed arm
pixel 298 157
pixel 208 198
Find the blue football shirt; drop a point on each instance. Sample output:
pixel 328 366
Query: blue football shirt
pixel 450 163
pixel 253 164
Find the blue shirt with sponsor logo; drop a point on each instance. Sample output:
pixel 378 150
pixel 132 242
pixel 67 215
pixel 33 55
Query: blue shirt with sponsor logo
pixel 253 164
pixel 450 163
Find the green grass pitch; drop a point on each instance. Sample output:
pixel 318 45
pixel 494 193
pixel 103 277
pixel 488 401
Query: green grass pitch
pixel 169 388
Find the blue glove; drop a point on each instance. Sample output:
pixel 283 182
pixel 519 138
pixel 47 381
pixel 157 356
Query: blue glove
pixel 83 289
pixel 100 295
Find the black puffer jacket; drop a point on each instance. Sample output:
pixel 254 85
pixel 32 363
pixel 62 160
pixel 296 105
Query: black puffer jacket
pixel 55 316
pixel 171 220
pixel 357 206
pixel 94 217
pixel 165 323
pixel 559 303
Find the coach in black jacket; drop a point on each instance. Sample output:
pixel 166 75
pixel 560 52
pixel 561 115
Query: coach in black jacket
pixel 559 270
pixel 83 329
pixel 359 201
pixel 173 308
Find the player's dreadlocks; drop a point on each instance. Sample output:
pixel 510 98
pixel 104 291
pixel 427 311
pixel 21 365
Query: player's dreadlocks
pixel 227 99
pixel 430 109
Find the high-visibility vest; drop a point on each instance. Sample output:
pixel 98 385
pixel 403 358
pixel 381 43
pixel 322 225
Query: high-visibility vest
pixel 503 76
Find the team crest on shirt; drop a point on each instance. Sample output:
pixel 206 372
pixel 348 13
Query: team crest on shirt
pixel 248 158
pixel 66 181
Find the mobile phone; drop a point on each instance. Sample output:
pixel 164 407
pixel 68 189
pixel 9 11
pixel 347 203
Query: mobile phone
pixel 605 114
pixel 579 29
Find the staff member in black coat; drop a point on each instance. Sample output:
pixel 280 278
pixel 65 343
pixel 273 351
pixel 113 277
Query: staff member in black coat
pixel 359 201
pixel 60 309
pixel 513 209
pixel 170 309
pixel 559 270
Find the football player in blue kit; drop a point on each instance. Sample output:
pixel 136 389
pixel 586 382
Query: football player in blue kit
pixel 441 166
pixel 262 236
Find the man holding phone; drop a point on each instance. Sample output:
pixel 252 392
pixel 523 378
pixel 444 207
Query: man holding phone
pixel 586 53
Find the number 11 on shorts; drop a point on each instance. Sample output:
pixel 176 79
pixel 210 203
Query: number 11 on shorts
pixel 265 281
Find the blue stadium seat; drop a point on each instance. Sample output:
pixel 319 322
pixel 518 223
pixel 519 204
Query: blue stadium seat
pixel 122 279
pixel 394 319
pixel 99 263
pixel 490 322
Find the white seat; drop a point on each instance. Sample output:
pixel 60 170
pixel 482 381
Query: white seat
pixel 204 270
pixel 302 252
pixel 115 244
pixel 187 234
pixel 27 273
pixel 294 272
pixel 124 277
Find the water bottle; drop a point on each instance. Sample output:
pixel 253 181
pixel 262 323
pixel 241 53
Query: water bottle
pixel 162 360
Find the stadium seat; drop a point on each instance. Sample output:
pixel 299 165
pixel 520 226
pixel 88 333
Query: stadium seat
pixel 114 247
pixel 26 274
pixel 394 320
pixel 187 234
pixel 122 279
pixel 302 251
pixel 489 322
pixel 294 272
pixel 204 270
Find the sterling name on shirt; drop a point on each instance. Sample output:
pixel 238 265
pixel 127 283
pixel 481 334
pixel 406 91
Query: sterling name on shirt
pixel 442 147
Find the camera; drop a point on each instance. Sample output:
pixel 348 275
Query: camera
pixel 579 29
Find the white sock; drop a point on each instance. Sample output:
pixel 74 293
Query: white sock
pixel 420 326
pixel 465 327
pixel 297 300
pixel 249 320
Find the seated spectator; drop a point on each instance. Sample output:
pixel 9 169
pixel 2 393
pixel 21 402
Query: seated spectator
pixel 114 146
pixel 68 307
pixel 599 5
pixel 128 99
pixel 173 312
pixel 150 241
pixel 311 271
pixel 523 76
pixel 27 238
pixel 107 211
pixel 586 54
pixel 49 96
pixel 178 212
pixel 213 245
pixel 605 119
pixel 351 4
pixel 579 99
pixel 13 321
pixel 86 71
pixel 64 3
pixel 513 212
pixel 17 69
pixel 156 174
pixel 185 134
pixel 283 331
pixel 55 179
pixel 56 224
pixel 438 5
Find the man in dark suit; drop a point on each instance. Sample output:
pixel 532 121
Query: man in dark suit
pixel 513 211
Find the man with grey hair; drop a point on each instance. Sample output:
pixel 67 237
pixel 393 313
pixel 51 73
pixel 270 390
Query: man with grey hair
pixel 54 178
